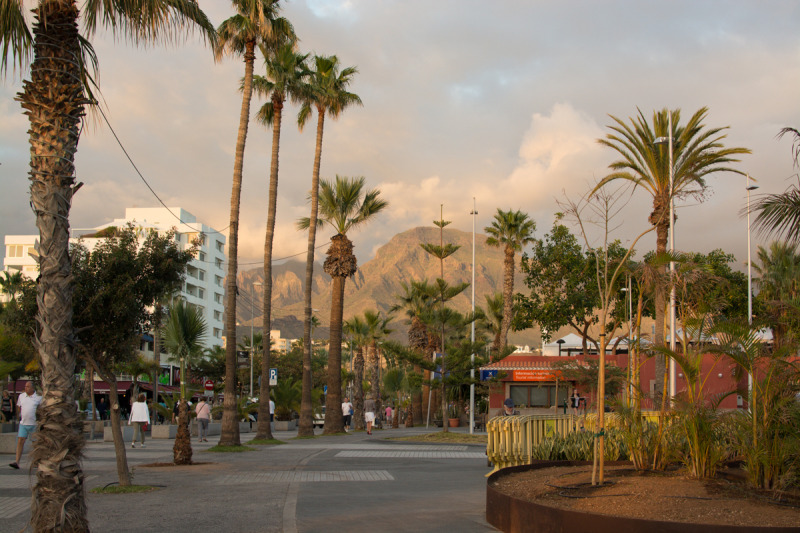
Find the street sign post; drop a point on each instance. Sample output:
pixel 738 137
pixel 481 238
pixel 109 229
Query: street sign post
pixel 273 377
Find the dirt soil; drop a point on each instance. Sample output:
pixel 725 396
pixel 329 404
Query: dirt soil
pixel 664 496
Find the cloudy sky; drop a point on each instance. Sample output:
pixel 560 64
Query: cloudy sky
pixel 500 101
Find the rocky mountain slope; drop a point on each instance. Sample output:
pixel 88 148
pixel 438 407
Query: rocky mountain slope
pixel 378 280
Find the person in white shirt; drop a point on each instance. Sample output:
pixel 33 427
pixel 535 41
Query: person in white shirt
pixel 271 411
pixel 27 404
pixel 140 415
pixel 347 413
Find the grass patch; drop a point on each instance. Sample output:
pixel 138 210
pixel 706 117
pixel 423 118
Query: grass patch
pixel 306 438
pixel 449 437
pixel 265 441
pixel 230 449
pixel 117 489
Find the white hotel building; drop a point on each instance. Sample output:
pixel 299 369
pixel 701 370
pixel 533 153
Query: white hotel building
pixel 203 286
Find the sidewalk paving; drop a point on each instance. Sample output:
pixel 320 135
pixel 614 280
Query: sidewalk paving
pixel 353 482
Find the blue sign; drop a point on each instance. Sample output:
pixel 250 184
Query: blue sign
pixel 488 374
pixel 273 376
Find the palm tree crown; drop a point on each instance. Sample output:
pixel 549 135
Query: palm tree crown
pixel 344 204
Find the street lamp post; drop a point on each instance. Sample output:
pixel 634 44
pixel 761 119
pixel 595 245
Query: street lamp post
pixel 474 213
pixel 749 281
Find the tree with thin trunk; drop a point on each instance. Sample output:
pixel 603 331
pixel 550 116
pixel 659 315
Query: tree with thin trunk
pixel 698 151
pixel 286 70
pixel 255 22
pixel 511 230
pixel 413 302
pixel 183 338
pixel 111 298
pixel 326 91
pixel 344 204
pixel 54 99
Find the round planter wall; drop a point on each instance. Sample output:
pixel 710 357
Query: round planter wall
pixel 512 515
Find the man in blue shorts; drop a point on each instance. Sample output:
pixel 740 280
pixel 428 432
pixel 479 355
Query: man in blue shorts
pixel 27 404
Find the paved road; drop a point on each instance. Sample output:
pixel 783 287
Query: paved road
pixel 347 483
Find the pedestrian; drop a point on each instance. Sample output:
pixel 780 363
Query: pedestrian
pixel 271 412
pixel 27 404
pixel 388 411
pixel 508 408
pixel 575 400
pixel 6 408
pixel 102 408
pixel 369 414
pixel 203 411
pixel 347 413
pixel 140 415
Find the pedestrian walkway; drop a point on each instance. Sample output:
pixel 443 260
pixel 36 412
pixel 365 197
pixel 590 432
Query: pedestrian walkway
pixel 352 482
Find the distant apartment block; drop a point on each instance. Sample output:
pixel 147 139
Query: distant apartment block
pixel 203 286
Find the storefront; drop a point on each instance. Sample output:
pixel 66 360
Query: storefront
pixel 531 381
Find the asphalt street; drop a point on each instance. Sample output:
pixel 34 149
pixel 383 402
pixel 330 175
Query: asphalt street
pixel 353 482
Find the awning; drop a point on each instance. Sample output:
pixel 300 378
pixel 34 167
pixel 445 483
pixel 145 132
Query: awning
pixel 101 387
pixel 162 389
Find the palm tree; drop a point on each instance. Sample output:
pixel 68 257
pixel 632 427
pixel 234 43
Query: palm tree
pixel 512 230
pixel 256 22
pixel 779 214
pixel 11 284
pixel 344 205
pixel 286 70
pixel 697 152
pixel 779 287
pixel 327 92
pixel 357 330
pixel 378 328
pixel 54 99
pixel 183 338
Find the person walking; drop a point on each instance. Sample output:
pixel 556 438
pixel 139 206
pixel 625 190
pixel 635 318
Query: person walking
pixel 203 411
pixel 347 413
pixel 27 404
pixel 6 408
pixel 102 408
pixel 140 414
pixel 369 414
pixel 575 400
pixel 388 411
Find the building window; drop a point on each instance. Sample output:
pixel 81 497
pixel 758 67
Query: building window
pixel 201 275
pixel 201 256
pixel 201 293
pixel 218 315
pixel 217 333
pixel 217 297
pixel 218 281
pixel 220 247
pixel 14 250
pixel 218 263
pixel 537 395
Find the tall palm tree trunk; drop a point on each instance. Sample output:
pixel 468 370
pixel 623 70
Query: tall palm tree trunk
pixel 334 422
pixel 374 377
pixel 264 430
pixel 358 390
pixel 508 298
pixel 230 425
pixel 662 232
pixel 53 100
pixel 306 428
